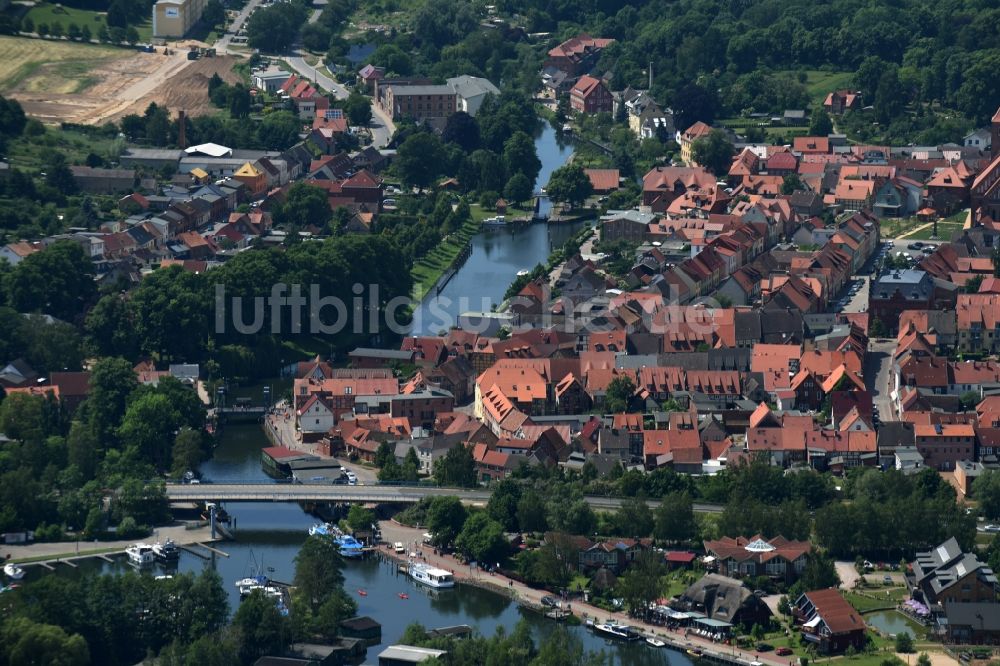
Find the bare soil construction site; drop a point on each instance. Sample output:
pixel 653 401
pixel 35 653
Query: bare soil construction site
pixel 67 82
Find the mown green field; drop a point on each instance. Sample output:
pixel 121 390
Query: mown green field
pixel 49 14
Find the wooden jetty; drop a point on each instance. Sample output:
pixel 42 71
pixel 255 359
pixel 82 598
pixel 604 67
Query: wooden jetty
pixel 214 550
pixel 193 551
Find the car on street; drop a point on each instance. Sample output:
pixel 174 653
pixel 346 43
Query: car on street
pixel 783 651
pixel 992 528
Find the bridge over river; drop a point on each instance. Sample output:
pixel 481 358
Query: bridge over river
pixel 375 494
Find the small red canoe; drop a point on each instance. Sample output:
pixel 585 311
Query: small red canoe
pixel 404 595
pixel 362 593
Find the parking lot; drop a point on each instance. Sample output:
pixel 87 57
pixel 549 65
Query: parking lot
pixel 854 297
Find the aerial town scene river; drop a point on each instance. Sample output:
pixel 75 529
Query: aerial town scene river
pixel 536 333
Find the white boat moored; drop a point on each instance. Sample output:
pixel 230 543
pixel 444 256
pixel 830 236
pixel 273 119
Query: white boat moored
pixel 13 571
pixel 140 554
pixel 430 576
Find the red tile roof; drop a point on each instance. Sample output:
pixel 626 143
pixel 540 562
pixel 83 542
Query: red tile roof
pixel 603 180
pixel 838 615
pixel 585 86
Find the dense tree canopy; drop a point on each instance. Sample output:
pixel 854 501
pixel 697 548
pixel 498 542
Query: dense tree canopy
pixel 272 29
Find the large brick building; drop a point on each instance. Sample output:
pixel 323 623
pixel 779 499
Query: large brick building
pixel 418 102
pixel 590 95
pixel 944 445
pixel 577 54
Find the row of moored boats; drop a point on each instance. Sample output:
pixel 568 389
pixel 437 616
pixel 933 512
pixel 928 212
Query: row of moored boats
pixel 623 632
pixel 146 554
pixel 347 545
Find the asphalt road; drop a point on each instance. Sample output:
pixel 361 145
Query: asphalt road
pixel 381 127
pixel 295 492
pixel 878 376
pixel 222 44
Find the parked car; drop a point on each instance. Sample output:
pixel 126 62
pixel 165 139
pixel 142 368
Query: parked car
pixel 550 601
pixel 887 579
pixel 783 651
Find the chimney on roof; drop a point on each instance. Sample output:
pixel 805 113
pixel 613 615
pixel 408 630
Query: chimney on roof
pixel 181 130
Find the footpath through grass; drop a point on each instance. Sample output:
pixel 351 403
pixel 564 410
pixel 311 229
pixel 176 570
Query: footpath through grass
pixel 894 227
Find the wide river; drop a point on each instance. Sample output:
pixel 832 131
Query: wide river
pixel 498 254
pixel 270 535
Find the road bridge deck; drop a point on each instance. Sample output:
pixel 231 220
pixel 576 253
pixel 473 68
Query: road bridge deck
pixel 375 494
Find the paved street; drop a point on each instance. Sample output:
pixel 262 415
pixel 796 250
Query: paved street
pixel 381 127
pixel 222 45
pixel 878 376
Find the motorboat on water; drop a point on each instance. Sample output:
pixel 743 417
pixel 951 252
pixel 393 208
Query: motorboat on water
pixel 140 554
pixel 13 571
pixel 251 583
pixel 430 576
pixel 166 551
pixel 655 642
pixel 348 546
pixel 498 221
pixel 613 629
pixel 321 529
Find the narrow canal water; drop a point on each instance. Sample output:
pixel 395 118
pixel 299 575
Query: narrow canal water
pixel 497 255
pixel 269 535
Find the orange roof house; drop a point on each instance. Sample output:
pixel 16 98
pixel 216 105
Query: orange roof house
pixel 253 178
pixel 811 145
pixel 603 181
pixel 590 95
pixel 840 101
pixel 664 184
pixel 577 54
